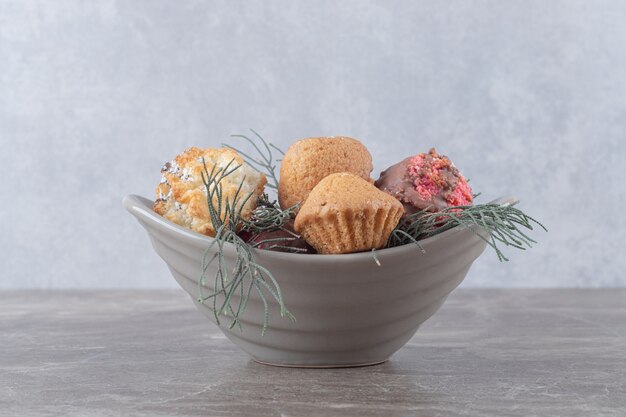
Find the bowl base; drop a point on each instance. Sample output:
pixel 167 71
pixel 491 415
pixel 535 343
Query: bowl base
pixel 321 366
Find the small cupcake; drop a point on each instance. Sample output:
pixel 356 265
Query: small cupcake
pixel 308 161
pixel 427 181
pixel 182 196
pixel 345 213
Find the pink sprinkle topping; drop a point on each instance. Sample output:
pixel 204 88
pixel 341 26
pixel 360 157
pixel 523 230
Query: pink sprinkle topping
pixel 435 177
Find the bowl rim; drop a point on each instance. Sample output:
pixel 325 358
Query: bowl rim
pixel 141 208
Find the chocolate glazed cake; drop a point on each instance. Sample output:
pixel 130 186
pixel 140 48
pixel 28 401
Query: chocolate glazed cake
pixel 426 181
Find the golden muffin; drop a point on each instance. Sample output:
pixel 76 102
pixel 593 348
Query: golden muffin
pixel 345 213
pixel 182 196
pixel 308 161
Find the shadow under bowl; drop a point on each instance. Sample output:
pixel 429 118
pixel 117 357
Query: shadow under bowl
pixel 349 311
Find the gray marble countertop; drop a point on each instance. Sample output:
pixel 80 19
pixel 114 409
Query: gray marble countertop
pixel 150 353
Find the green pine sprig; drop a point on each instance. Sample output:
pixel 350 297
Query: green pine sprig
pixel 264 162
pixel 247 274
pixel 504 225
pixel 269 217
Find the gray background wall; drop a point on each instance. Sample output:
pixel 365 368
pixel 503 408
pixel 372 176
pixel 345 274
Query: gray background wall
pixel 527 97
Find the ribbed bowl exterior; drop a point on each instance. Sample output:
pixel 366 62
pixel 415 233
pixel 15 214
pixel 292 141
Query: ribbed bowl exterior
pixel 349 311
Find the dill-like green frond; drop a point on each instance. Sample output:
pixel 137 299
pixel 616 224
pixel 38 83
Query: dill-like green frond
pixel 503 224
pixel 246 274
pixel 264 162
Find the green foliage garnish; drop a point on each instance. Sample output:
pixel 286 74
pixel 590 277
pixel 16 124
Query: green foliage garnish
pixel 268 216
pixel 246 274
pixel 265 162
pixel 503 224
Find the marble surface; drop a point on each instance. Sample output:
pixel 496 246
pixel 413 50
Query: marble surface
pixel 150 353
pixel 526 96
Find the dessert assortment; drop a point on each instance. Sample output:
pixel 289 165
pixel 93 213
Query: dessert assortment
pixel 327 204
pixel 325 182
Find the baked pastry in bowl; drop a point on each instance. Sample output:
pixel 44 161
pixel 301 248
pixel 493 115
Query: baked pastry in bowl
pixel 182 195
pixel 350 311
pixel 308 161
pixel 344 213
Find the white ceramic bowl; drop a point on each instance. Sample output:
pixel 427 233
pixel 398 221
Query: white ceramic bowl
pixel 348 310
